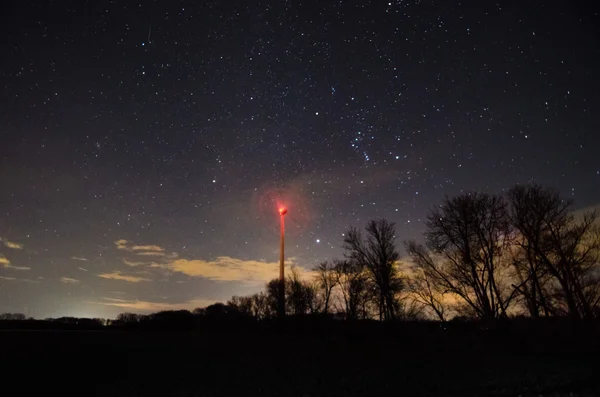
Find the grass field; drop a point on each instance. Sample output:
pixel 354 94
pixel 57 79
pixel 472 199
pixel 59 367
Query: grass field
pixel 118 363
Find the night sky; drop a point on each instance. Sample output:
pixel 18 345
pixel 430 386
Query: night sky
pixel 145 146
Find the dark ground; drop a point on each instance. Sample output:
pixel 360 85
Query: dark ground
pixel 134 363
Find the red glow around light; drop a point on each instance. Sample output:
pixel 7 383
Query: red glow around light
pixel 282 211
pixel 267 202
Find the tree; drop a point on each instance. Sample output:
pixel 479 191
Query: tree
pixel 378 255
pixel 529 206
pixel 354 288
pixel 425 291
pixel 260 306
pixel 561 253
pixel 128 318
pixel 217 311
pixel 326 282
pixel 273 294
pixel 240 305
pixel 316 301
pixel 467 238
pixel 301 296
pixel 13 316
pixel 296 299
pixel 199 312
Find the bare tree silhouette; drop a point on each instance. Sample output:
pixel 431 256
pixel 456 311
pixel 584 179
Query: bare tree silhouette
pixel 260 306
pixel 560 263
pixel 354 289
pixel 425 291
pixel 128 318
pixel 299 295
pixel 466 239
pixel 377 253
pixel 326 282
pixel 529 206
pixel 242 305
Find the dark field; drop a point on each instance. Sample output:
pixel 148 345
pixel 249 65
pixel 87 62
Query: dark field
pixel 416 363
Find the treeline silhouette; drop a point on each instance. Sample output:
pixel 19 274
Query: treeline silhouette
pixel 20 321
pixel 485 259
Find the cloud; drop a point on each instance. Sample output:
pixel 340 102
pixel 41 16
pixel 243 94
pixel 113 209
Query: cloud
pixel 144 250
pixel 119 276
pixel 82 269
pixel 147 306
pixel 133 263
pixel 78 258
pixel 159 265
pixel 25 280
pixel 154 248
pixel 225 268
pixel 69 280
pixel 122 244
pixel 151 253
pixel 4 262
pixel 222 268
pixel 11 244
pixel 18 267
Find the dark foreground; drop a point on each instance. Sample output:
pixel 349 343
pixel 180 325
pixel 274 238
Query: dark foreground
pixel 133 363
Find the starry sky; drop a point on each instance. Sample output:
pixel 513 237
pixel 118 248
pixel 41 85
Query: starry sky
pixel 145 146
